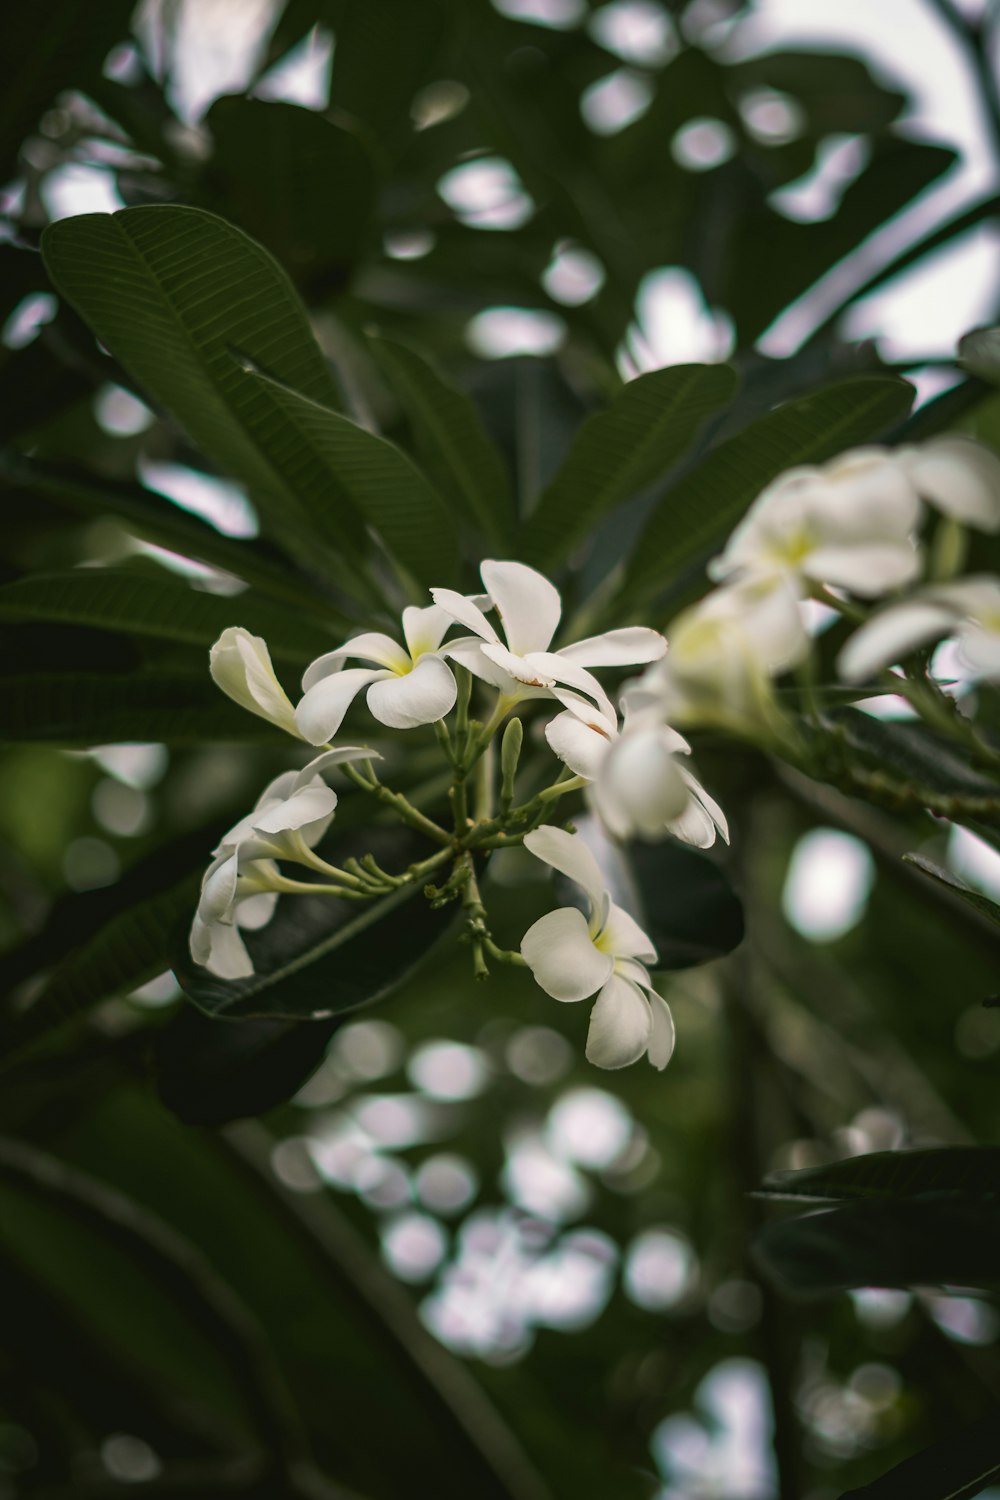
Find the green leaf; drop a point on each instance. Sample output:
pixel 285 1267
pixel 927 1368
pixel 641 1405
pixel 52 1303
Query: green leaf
pixel 689 907
pixel 893 1174
pixel 697 513
pixel 979 352
pixel 618 452
pixel 41 60
pixel 933 1239
pixel 184 301
pixel 133 946
pixel 210 1072
pixel 158 520
pixel 300 184
pixel 163 607
pixel 452 442
pixel 373 477
pixel 976 899
pixel 81 708
pixel 955 1469
pixel 921 759
pixel 319 957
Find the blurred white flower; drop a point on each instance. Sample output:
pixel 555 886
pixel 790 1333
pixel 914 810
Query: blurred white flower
pixel 410 686
pixel 637 784
pixel 573 956
pixel 969 610
pixel 724 652
pixel 530 609
pixel 240 665
pixel 849 524
pixel 958 476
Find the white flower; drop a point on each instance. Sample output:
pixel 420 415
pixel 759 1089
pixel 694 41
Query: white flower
pixel 849 524
pixel 723 653
pixel 240 665
pixel 530 608
pixel 637 784
pixel 959 477
pixel 969 610
pixel 573 956
pixel 408 688
pixel 240 885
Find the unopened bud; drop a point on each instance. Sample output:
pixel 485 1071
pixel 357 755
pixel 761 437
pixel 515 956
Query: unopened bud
pixel 510 754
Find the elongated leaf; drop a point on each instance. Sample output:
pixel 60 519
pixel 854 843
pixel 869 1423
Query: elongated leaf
pixel 132 947
pixel 893 1174
pixel 696 514
pixel 618 452
pixel 976 899
pixel 955 1469
pixel 923 760
pixel 184 300
pixel 210 1072
pixel 301 185
pixel 320 956
pixel 165 607
pixel 158 520
pixel 935 1239
pixel 80 708
pixel 689 907
pixel 369 475
pixel 451 440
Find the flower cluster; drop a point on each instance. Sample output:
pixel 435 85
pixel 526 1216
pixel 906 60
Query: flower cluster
pixel 634 770
pixel 847 533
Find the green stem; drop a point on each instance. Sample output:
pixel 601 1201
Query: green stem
pixel 400 805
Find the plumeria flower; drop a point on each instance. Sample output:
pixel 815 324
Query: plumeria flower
pixel 521 665
pixel 969 610
pixel 958 476
pixel 724 651
pixel 637 784
pixel 573 956
pixel 241 885
pixel 408 687
pixel 849 524
pixel 240 664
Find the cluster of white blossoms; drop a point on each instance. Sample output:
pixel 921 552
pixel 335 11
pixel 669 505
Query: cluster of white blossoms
pixel 846 533
pixel 634 771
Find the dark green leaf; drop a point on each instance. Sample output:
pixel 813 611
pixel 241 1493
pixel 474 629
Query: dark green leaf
pixel 976 899
pixel 320 957
pixel 689 907
pixel 164 607
pixel 956 1469
pixel 383 54
pixel 370 476
pixel 894 1174
pixel 620 451
pixel 702 507
pixel 979 352
pixel 298 183
pixel 451 441
pixel 210 1072
pixel 80 708
pixel 919 758
pixel 185 301
pixel 936 1239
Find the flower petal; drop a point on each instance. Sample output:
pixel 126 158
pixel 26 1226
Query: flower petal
pixel 240 664
pixel 868 570
pixel 466 611
pixel 558 951
pixel 529 605
pixel 661 1042
pixel 518 667
pixel 567 853
pixel 310 804
pixel 218 947
pixel 958 476
pixel 218 889
pixel 320 764
pixel 322 709
pixel 254 912
pixel 467 651
pixel 557 668
pixel 580 746
pixel 373 645
pixel 622 936
pixel 425 629
pixel 621 1025
pixel 640 787
pixel 421 697
pixel 617 648
pixel 701 819
pixel 890 635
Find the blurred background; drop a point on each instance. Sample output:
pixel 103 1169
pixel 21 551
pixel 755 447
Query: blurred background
pixel 473 1263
